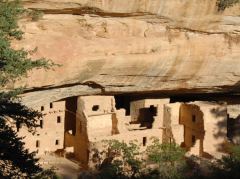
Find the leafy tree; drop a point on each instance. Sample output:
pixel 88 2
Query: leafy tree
pixel 124 161
pixel 169 157
pixel 15 161
pixel 14 64
pixel 228 166
pixel 120 160
pixel 47 174
pixel 165 153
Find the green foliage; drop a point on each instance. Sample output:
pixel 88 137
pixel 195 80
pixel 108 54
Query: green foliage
pixel 14 64
pixel 129 153
pixel 21 114
pixel 167 153
pixel 9 15
pixel 228 166
pixel 235 152
pixel 169 157
pixel 47 174
pixel 15 161
pixel 121 160
pixel 223 4
pixel 164 161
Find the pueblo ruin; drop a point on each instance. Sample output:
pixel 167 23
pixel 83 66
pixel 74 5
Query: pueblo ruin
pixel 133 70
pixel 77 125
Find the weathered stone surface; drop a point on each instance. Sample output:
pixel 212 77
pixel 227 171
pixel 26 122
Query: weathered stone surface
pixel 112 46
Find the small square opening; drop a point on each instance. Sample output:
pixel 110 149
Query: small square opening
pixel 57 142
pixel 193 139
pixel 42 108
pixel 193 118
pixel 59 119
pixel 41 123
pixel 37 143
pixel 144 141
pixel 18 126
pixel 51 105
pixel 95 108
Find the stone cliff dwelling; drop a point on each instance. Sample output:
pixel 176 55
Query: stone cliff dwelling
pixel 80 124
pixel 128 70
pixel 50 135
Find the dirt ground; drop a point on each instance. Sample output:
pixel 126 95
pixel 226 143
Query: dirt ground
pixel 65 168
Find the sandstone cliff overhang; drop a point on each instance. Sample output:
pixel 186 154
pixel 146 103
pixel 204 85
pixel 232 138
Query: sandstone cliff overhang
pixel 140 46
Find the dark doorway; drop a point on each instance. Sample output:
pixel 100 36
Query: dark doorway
pixel 146 116
pixel 123 102
pixel 233 128
pixel 70 115
pixel 144 141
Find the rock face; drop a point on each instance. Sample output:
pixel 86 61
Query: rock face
pixel 137 46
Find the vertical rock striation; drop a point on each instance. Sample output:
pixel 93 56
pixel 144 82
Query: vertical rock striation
pixel 137 46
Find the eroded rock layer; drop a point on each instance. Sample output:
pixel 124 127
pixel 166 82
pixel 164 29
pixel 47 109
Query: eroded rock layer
pixel 137 46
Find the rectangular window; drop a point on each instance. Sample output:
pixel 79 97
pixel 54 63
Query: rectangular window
pixel 144 141
pixel 59 119
pixel 193 139
pixel 95 108
pixel 51 105
pixel 193 118
pixel 42 108
pixel 18 126
pixel 37 143
pixel 41 123
pixel 57 142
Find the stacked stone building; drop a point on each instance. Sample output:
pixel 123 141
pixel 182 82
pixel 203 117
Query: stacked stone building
pixel 81 124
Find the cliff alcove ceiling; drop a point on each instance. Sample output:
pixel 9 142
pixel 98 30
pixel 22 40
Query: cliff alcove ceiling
pixel 163 47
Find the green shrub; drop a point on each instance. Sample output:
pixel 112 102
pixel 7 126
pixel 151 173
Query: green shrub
pixel 162 161
pixel 169 157
pixel 14 64
pixel 47 174
pixel 223 4
pixel 228 166
pixel 15 160
pixel 121 160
